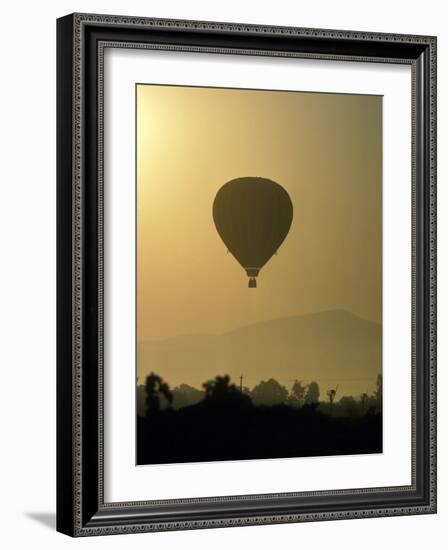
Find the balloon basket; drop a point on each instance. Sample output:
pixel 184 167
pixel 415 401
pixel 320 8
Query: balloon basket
pixel 252 282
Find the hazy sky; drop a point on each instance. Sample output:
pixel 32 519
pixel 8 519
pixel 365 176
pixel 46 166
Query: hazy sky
pixel 324 149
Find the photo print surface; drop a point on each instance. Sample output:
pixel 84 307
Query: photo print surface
pixel 259 274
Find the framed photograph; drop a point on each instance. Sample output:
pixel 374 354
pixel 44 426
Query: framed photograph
pixel 246 274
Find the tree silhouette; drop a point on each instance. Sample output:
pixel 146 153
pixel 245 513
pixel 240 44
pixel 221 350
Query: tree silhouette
pixel 269 393
pixel 348 406
pixel 379 391
pixel 141 399
pixel 155 389
pixel 331 395
pixel 219 387
pixel 298 391
pixel 363 401
pixel 312 394
pixel 220 390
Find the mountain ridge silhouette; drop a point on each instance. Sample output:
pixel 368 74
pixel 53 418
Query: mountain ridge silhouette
pixel 331 347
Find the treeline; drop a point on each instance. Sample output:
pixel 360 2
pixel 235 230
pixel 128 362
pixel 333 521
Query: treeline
pixel 230 422
pixel 156 395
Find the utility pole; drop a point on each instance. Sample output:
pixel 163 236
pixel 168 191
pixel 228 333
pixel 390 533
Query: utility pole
pixel 241 383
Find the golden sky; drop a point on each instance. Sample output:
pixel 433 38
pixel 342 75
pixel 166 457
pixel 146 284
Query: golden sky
pixel 324 149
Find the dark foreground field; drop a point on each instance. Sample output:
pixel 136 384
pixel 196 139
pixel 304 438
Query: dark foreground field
pixel 211 431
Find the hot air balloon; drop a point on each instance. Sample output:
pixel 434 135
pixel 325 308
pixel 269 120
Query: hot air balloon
pixel 252 216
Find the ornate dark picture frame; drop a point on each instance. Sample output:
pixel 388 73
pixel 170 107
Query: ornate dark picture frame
pixel 81 509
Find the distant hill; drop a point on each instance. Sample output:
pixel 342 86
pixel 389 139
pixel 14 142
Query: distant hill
pixel 332 347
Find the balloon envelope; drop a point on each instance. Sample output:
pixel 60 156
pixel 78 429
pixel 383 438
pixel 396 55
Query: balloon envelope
pixel 252 216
